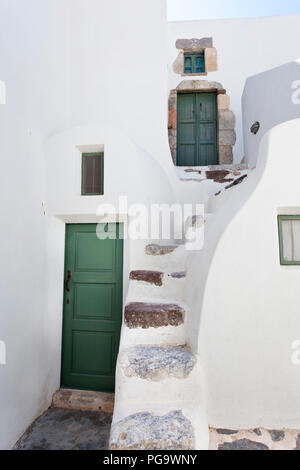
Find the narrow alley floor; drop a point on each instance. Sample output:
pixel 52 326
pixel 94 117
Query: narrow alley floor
pixel 63 429
pixel 81 420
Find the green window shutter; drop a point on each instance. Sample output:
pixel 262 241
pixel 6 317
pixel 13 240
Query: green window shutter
pixel 92 174
pixel 188 64
pixel 194 63
pixel 199 66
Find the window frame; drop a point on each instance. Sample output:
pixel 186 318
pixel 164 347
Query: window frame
pixel 282 218
pixel 193 55
pixel 92 154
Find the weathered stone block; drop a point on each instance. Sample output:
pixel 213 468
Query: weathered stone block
pixel 211 59
pixel 145 315
pixel 172 100
pixel 188 44
pixel 227 137
pixel 160 250
pixel 187 85
pixel 243 444
pixel 226 119
pixel 84 400
pixel 172 119
pixel 225 154
pixel 151 277
pixel 174 155
pixel 158 362
pixel 226 432
pixel 223 101
pixel 180 275
pixel 146 431
pixel 172 139
pixel 277 436
pixel 217 175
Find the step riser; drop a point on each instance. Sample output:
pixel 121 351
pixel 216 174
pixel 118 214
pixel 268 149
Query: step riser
pixel 169 335
pixel 172 289
pixel 160 398
pixel 173 262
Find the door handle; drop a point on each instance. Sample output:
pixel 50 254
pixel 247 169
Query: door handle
pixel 67 281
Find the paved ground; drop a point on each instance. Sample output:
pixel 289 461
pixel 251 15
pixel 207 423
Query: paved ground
pixel 60 429
pixel 64 429
pixel 254 439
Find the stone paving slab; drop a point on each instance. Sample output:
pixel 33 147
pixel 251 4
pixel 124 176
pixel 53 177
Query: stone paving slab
pixel 84 400
pixel 254 439
pixel 146 431
pixel 59 429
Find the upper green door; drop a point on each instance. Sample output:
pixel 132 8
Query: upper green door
pixel 197 132
pixel 92 308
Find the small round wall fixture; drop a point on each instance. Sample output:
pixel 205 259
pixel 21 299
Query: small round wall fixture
pixel 255 128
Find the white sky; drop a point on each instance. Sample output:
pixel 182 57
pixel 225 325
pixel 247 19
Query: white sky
pixel 179 10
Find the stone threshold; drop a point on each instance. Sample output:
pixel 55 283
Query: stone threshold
pixel 84 400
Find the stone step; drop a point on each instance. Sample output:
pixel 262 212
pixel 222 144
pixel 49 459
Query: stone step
pixel 157 363
pixel 84 400
pixel 156 286
pixel 160 257
pixel 153 315
pixel 151 277
pixel 155 277
pixel 147 431
pixel 160 250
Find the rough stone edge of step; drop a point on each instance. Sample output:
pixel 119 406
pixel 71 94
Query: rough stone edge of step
pixel 179 432
pixel 154 249
pixel 155 363
pixel 155 278
pixel 153 314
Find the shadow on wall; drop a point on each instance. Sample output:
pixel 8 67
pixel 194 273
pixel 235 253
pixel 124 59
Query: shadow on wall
pixel 270 98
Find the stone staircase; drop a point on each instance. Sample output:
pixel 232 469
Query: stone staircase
pixel 159 389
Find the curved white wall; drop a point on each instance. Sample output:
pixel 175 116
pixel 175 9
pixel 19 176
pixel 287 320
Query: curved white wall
pixel 250 315
pixel 270 98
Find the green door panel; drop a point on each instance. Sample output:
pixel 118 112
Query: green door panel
pixel 92 309
pixel 197 132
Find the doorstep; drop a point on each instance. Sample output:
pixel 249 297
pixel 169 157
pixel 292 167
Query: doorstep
pixel 84 400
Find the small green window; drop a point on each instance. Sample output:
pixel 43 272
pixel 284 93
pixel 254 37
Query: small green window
pixel 92 174
pixel 289 239
pixel 194 63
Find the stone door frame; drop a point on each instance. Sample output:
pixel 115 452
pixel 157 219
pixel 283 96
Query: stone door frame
pixel 226 118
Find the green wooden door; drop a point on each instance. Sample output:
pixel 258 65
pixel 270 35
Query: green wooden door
pixel 92 308
pixel 197 129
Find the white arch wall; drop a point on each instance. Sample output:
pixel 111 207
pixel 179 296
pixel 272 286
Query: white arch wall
pixel 270 98
pixel 250 314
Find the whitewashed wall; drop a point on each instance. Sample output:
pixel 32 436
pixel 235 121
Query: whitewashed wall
pixel 250 308
pixel 74 77
pixel 90 73
pixel 36 104
pixel 245 47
